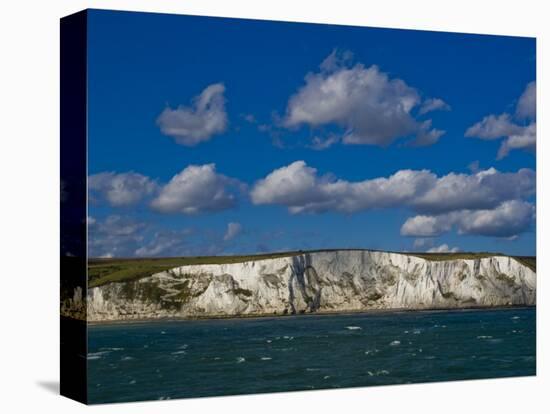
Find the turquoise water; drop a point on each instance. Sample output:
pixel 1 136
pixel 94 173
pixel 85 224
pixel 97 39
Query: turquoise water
pixel 163 360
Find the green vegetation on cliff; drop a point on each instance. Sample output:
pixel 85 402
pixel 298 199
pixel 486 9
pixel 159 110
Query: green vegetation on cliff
pixel 103 271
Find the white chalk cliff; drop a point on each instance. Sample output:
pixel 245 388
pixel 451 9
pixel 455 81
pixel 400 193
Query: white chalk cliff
pixel 320 282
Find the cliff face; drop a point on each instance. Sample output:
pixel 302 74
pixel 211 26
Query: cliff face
pixel 336 281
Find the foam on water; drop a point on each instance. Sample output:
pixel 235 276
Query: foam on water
pixel 96 355
pixel 377 373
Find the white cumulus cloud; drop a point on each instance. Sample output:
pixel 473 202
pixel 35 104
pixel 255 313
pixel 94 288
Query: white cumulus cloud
pixel 121 189
pixel 433 104
pixel 526 139
pixel 198 123
pixel 493 127
pixel 301 189
pixel 443 248
pixel 527 103
pixel 370 107
pixel 508 219
pixel 233 230
pixel 487 202
pixel 508 128
pixel 480 190
pixel 298 187
pixel 426 226
pixel 197 189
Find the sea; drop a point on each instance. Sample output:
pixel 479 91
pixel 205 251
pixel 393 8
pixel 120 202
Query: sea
pixel 196 358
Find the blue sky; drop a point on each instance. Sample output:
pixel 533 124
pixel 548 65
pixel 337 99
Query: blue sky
pixel 299 136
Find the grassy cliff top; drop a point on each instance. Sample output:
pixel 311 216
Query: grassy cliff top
pixel 103 271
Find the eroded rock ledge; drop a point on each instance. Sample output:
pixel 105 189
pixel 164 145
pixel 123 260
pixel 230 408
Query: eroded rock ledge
pixel 321 282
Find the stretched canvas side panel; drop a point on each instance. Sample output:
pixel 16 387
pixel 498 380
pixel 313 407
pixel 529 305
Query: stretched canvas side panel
pixel 73 382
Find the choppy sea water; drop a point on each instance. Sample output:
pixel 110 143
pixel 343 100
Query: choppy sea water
pixel 177 359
